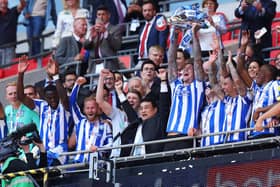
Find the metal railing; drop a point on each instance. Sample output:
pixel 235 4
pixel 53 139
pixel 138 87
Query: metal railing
pixel 110 166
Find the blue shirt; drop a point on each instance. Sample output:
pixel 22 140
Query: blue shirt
pixel 98 133
pixel 187 103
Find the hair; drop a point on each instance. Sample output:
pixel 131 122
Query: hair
pixel 66 7
pixel 135 92
pixel 11 84
pixel 214 1
pixel 119 73
pixel 149 99
pixel 50 88
pixel 69 71
pixel 30 86
pixel 90 98
pixel 148 62
pixel 149 2
pixel 103 7
pixel 157 48
pixel 272 69
pixel 255 59
pixel 185 53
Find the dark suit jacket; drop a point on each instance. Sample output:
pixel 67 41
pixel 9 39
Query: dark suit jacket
pixel 253 21
pixel 114 19
pixel 108 47
pixel 152 129
pixel 155 37
pixel 66 50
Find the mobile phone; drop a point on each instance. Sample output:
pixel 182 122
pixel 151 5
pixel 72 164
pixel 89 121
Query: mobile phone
pixel 250 1
pixel 98 20
pixel 260 33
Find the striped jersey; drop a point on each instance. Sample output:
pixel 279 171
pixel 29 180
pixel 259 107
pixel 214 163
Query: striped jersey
pixel 237 116
pixel 87 133
pixel 53 128
pixel 265 96
pixel 187 102
pixel 212 120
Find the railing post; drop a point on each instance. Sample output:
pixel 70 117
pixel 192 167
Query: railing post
pixel 45 179
pixel 93 166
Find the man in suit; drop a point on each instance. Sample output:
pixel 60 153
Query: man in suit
pixel 104 41
pixel 71 48
pixel 153 121
pixel 117 9
pixel 154 32
pixel 256 15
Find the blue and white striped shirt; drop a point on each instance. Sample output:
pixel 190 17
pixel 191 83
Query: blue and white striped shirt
pixel 265 96
pixel 87 133
pixel 187 102
pixel 237 116
pixel 53 129
pixel 212 120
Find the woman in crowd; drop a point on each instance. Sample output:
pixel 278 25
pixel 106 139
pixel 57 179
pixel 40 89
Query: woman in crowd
pixel 254 67
pixel 66 18
pixel 216 23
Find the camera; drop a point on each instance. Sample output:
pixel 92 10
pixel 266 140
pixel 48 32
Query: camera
pixel 10 144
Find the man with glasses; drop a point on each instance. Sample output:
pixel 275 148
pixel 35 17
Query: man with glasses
pixel 148 75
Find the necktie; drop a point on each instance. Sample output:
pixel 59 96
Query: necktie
pixel 142 45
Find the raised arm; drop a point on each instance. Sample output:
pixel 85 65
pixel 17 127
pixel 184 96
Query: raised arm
pixel 210 68
pixel 104 105
pixel 52 69
pixel 172 53
pixel 75 109
pixel 242 71
pixel 241 87
pixel 21 5
pixel 164 99
pixel 198 70
pixel 22 67
pixel 130 112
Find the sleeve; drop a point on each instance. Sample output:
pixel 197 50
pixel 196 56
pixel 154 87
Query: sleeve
pixel 30 160
pixel 164 105
pixel 238 13
pixel 16 165
pixel 38 103
pixel 108 141
pixel 74 108
pixel 43 160
pixel 130 112
pixel 115 37
pixel 163 36
pixel 222 24
pixel 60 54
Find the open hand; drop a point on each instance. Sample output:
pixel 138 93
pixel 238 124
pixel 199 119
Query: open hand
pixel 23 64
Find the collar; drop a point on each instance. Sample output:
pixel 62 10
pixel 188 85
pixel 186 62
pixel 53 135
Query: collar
pixel 77 38
pixel 151 21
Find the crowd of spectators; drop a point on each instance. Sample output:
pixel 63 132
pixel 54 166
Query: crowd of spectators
pixel 188 98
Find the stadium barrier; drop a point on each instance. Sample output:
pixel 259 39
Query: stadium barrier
pixel 107 169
